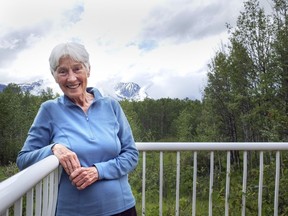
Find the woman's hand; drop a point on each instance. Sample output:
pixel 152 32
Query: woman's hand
pixel 84 176
pixel 67 158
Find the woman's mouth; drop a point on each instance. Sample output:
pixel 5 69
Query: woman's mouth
pixel 73 86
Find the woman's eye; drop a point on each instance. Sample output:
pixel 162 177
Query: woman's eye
pixel 77 69
pixel 62 72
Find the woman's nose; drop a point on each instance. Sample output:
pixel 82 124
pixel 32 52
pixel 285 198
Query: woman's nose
pixel 71 75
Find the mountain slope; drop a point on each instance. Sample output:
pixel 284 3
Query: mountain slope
pixel 34 88
pixel 2 87
pixel 121 91
pixel 130 91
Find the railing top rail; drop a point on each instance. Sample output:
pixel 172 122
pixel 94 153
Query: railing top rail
pixel 211 146
pixel 26 177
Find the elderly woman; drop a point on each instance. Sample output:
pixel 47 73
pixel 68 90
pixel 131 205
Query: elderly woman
pixel 90 136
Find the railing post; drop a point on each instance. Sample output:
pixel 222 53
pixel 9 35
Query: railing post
pixel 18 207
pixel 277 180
pixel 244 184
pixel 143 182
pixel 211 182
pixel 177 183
pixel 45 196
pixel 227 184
pixel 260 187
pixel 161 184
pixel 38 196
pixel 29 202
pixel 194 183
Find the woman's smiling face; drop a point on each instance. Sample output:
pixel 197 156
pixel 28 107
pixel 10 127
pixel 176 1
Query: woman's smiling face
pixel 72 77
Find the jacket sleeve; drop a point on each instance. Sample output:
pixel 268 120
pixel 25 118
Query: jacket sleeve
pixel 127 160
pixel 37 145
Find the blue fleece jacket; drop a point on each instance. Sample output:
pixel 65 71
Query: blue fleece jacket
pixel 101 137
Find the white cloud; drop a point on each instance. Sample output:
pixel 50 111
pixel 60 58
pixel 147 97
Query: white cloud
pixel 190 86
pixel 19 14
pixel 159 43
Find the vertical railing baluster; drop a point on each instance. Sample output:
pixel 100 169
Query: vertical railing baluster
pixel 260 187
pixel 6 213
pixel 143 182
pixel 55 185
pixel 29 202
pixel 50 193
pixel 227 194
pixel 277 180
pixel 211 182
pixel 244 184
pixel 38 199
pixel 161 184
pixel 45 196
pixel 177 183
pixel 194 183
pixel 18 207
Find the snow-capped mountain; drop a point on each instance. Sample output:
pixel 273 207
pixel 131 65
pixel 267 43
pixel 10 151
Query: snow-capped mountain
pixel 130 91
pixel 34 88
pixel 120 91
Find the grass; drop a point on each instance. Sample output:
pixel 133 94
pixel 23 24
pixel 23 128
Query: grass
pixel 8 171
pixel 2 175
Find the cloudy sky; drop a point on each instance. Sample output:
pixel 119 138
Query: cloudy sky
pixel 162 45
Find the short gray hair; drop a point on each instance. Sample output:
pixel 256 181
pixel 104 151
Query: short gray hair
pixel 75 51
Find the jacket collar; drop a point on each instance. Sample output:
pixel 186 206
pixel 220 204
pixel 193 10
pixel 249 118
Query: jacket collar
pixel 97 96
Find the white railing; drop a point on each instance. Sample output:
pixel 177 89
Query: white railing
pixel 40 184
pixel 211 147
pixel 15 187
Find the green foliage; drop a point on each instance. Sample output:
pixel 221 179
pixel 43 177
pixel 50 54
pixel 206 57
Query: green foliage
pixel 160 120
pixel 8 171
pixel 246 97
pixel 17 111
